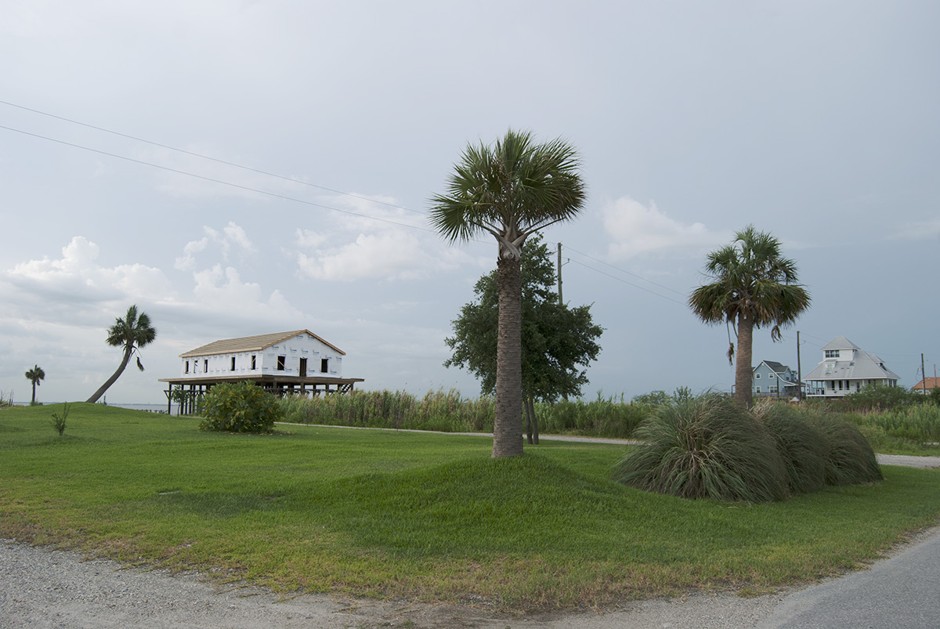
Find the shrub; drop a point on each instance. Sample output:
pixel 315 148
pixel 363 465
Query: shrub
pixel 879 398
pixel 802 447
pixel 705 447
pixel 849 457
pixel 59 421
pixel 240 407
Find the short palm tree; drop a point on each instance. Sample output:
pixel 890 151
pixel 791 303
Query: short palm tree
pixel 754 286
pixel 509 190
pixel 35 375
pixel 130 333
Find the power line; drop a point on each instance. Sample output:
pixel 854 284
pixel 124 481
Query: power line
pixel 206 157
pixel 623 281
pixel 663 286
pixel 213 179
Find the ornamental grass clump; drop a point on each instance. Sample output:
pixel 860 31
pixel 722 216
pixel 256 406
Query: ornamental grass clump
pixel 240 407
pixel 849 458
pixel 705 447
pixel 803 447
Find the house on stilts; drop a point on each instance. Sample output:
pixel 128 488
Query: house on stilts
pixel 297 362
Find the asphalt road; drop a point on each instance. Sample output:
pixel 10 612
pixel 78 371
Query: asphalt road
pixel 902 591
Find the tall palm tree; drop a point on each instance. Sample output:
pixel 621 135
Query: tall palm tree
pixel 509 190
pixel 35 375
pixel 131 333
pixel 754 286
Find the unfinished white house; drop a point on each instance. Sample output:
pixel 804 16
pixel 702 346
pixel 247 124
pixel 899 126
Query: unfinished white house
pixel 846 368
pixel 297 362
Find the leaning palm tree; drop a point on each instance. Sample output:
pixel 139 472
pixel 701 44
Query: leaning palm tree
pixel 131 333
pixel 754 286
pixel 35 375
pixel 509 190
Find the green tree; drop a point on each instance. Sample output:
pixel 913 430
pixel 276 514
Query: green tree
pixel 130 333
pixel 557 341
pixel 509 190
pixel 754 286
pixel 35 375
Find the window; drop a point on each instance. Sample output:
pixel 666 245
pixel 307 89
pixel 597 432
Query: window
pixel 253 367
pixel 280 362
pixel 758 389
pixel 324 365
pixel 832 353
pixel 757 376
pixel 233 363
pixel 770 375
pixel 205 365
pixel 187 367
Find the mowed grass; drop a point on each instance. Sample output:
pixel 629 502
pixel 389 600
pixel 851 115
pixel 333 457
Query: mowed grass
pixel 432 517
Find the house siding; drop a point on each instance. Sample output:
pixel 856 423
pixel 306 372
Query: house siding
pixel 301 346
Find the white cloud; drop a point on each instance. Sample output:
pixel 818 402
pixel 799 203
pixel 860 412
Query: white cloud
pixel 390 255
pixel 635 229
pixel 373 243
pixel 78 274
pixel 232 235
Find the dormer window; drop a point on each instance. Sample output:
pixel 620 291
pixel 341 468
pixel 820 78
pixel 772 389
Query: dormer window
pixel 832 353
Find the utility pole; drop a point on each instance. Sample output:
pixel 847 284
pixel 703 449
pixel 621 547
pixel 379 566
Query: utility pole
pixel 923 372
pixel 799 369
pixel 560 300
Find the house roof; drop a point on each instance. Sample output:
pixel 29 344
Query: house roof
pixel 252 344
pixel 931 383
pixel 861 366
pixel 775 366
pixel 840 342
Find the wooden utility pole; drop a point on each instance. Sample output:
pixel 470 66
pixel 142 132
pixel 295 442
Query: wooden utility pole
pixel 560 299
pixel 923 372
pixel 799 369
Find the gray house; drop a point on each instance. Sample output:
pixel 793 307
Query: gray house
pixel 773 379
pixel 846 368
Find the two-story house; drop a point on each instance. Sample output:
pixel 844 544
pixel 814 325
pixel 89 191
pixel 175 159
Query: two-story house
pixel 773 379
pixel 298 361
pixel 846 368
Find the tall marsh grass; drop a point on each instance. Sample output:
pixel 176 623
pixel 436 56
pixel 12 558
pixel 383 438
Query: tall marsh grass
pixel 445 411
pixel 601 417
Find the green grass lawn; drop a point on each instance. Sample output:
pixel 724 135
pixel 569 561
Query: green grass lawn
pixel 429 516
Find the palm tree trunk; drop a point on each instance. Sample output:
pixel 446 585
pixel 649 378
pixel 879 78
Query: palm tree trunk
pixel 117 374
pixel 507 425
pixel 743 373
pixel 34 393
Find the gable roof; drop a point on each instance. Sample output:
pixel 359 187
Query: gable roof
pixel 253 344
pixel 775 366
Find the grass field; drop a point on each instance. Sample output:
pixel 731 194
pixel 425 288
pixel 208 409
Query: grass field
pixel 384 513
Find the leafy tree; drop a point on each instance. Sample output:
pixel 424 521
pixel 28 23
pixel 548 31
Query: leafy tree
pixel 754 286
pixel 35 375
pixel 556 340
pixel 509 190
pixel 130 333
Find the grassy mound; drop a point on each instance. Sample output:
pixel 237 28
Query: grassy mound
pixel 849 457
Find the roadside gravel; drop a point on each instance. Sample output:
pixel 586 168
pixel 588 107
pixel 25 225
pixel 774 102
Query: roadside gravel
pixel 45 589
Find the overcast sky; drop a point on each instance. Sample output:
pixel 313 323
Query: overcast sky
pixel 331 124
